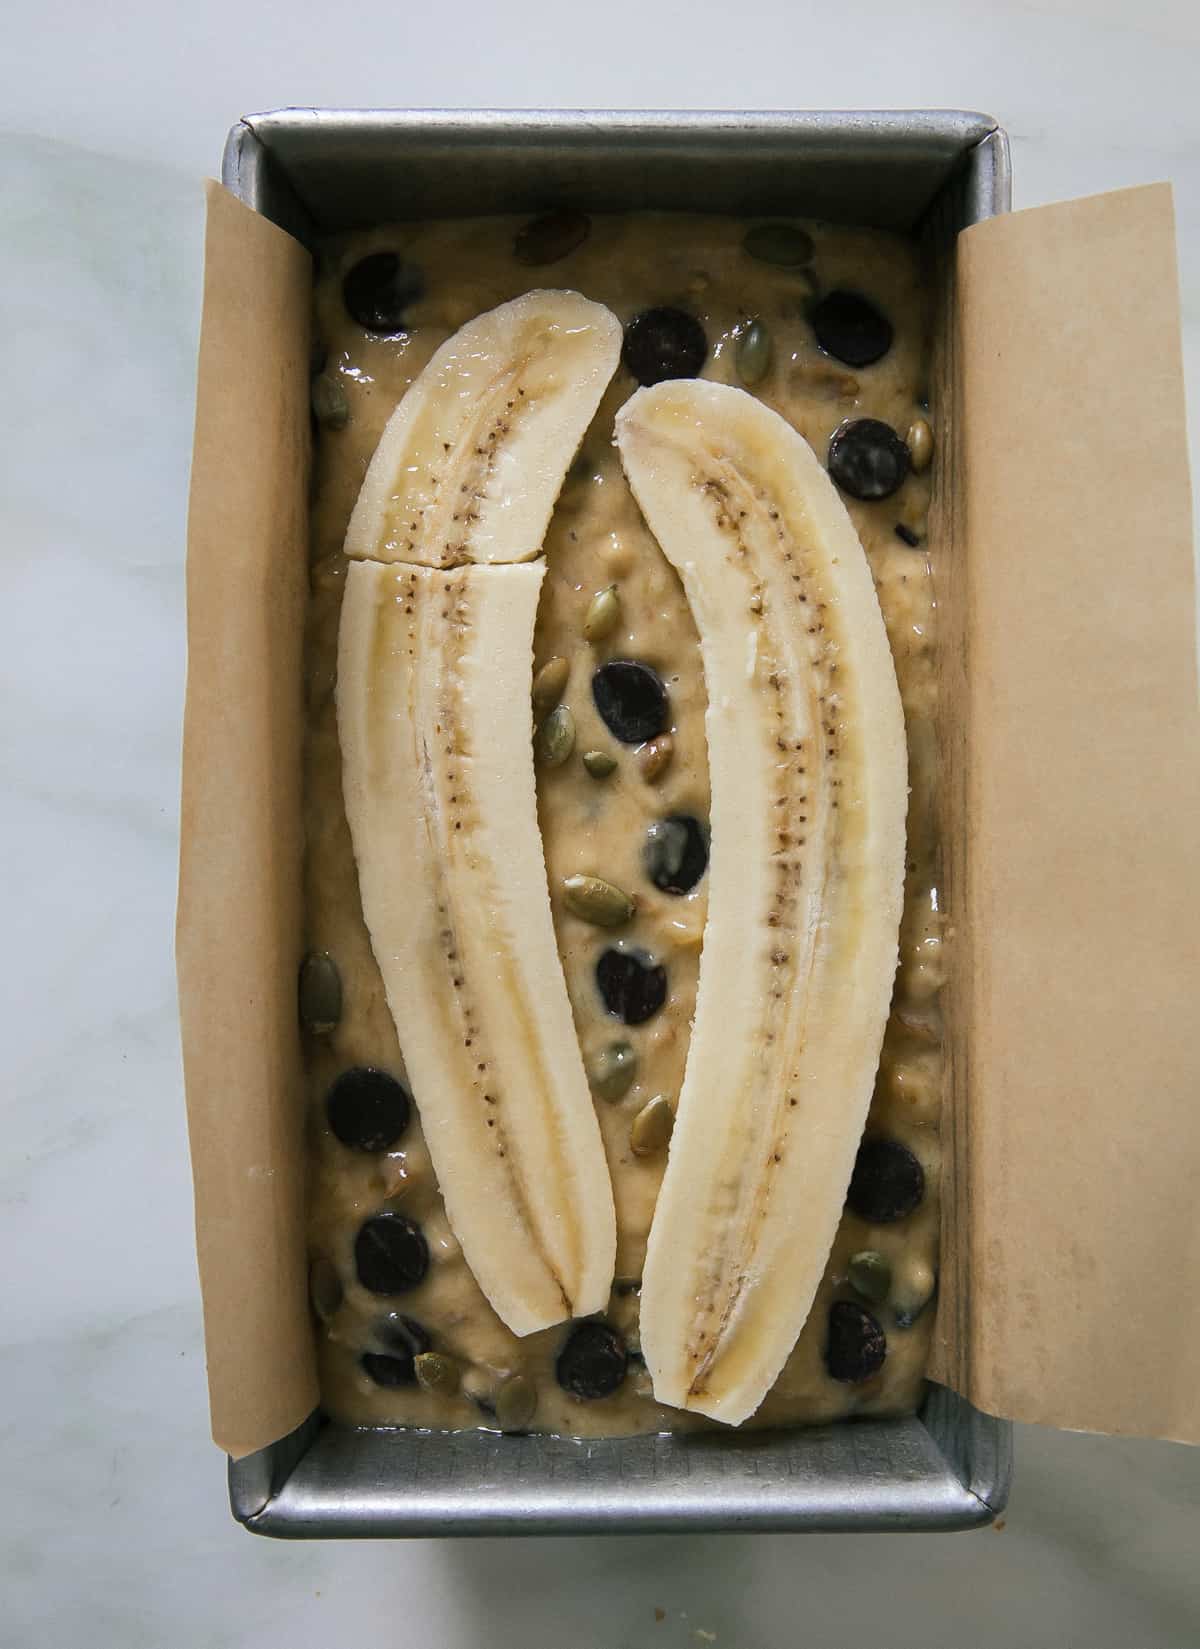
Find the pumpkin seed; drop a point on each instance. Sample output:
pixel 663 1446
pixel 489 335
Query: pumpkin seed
pixel 515 1403
pixel 654 758
pixel 556 736
pixel 597 901
pixel 320 993
pixel 437 1373
pixel 324 1288
pixel 603 614
pixel 599 763
pixel 914 1289
pixel 781 243
pixel 870 1274
pixel 652 1127
pixel 329 404
pixel 920 445
pixel 753 353
pixel 549 684
pixel 611 1073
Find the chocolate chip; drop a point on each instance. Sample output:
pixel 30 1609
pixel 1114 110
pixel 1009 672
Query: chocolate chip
pixel 368 1110
pixel 390 1254
pixel 593 1361
pixel 664 343
pixel 405 1339
pixel 550 237
pixel 888 1182
pixel 906 535
pixel 851 329
pixel 631 700
pixel 675 853
pixel 632 985
pixel 378 290
pixel 867 459
pixel 857 1346
pixel 388 1371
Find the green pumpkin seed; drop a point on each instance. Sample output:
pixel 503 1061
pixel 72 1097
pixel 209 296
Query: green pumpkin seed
pixel 437 1373
pixel 516 1402
pixel 597 901
pixel 920 445
pixel 320 993
pixel 611 1073
pixel 914 1288
pixel 330 406
pixel 652 1127
pixel 780 243
pixel 753 353
pixel 870 1274
pixel 599 763
pixel 556 736
pixel 603 614
pixel 550 684
pixel 654 758
pixel 324 1288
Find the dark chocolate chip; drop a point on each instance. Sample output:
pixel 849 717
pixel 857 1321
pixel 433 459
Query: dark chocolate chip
pixel 390 1254
pixel 906 535
pixel 592 1362
pixel 402 1335
pixel 675 854
pixel 857 1346
pixel 389 1371
pixel 867 459
pixel 851 329
pixel 632 985
pixel 368 1110
pixel 664 343
pixel 631 699
pixel 405 1339
pixel 551 237
pixel 378 290
pixel 888 1182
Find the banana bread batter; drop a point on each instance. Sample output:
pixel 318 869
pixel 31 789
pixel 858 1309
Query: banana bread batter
pixel 828 326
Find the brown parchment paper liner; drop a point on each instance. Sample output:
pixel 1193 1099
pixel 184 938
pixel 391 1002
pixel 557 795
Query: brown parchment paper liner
pixel 238 933
pixel 1070 1258
pixel 1070 1249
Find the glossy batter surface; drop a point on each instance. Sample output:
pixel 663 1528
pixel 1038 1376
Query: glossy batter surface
pixel 598 826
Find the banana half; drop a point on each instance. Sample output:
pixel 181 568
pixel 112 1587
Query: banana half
pixel 809 795
pixel 435 664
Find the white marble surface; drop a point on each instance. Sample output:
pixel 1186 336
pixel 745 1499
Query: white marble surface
pixel 114 1530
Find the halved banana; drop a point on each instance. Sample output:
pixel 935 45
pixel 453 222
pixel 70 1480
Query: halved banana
pixel 435 669
pixel 809 793
pixel 472 459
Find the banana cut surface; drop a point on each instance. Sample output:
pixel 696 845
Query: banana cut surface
pixel 809 794
pixel 435 662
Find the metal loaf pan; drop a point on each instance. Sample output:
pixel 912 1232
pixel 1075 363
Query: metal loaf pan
pixel 312 171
